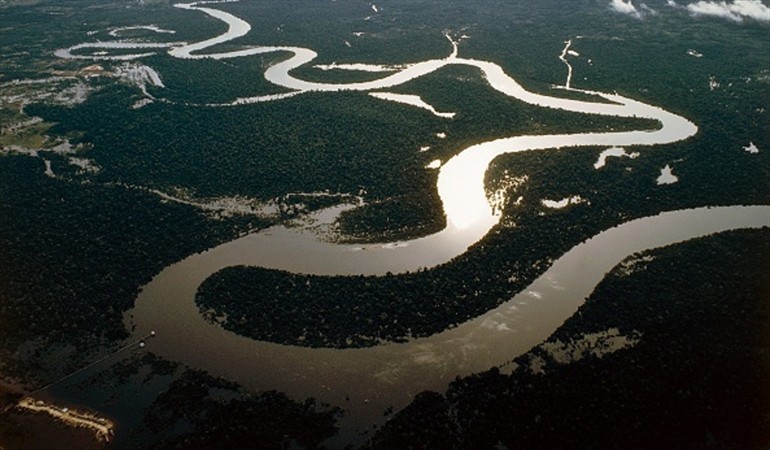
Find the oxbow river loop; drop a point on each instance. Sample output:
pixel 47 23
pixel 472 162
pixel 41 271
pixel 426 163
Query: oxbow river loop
pixel 366 381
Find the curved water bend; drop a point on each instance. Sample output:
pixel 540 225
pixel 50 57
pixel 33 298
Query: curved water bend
pixel 366 381
pixel 389 375
pixel 461 179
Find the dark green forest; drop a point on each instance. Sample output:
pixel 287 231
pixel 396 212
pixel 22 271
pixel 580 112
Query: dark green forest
pixel 76 247
pixel 695 379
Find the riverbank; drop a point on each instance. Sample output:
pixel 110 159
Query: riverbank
pixel 691 374
pixel 370 380
pixel 32 424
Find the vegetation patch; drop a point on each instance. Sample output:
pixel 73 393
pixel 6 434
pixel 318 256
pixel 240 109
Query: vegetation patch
pixel 695 378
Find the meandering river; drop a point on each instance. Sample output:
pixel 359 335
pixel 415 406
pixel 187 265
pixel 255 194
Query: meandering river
pixel 366 381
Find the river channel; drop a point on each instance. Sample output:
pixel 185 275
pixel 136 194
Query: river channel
pixel 367 381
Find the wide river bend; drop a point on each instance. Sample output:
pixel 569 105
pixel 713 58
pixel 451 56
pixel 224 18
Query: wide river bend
pixel 366 381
